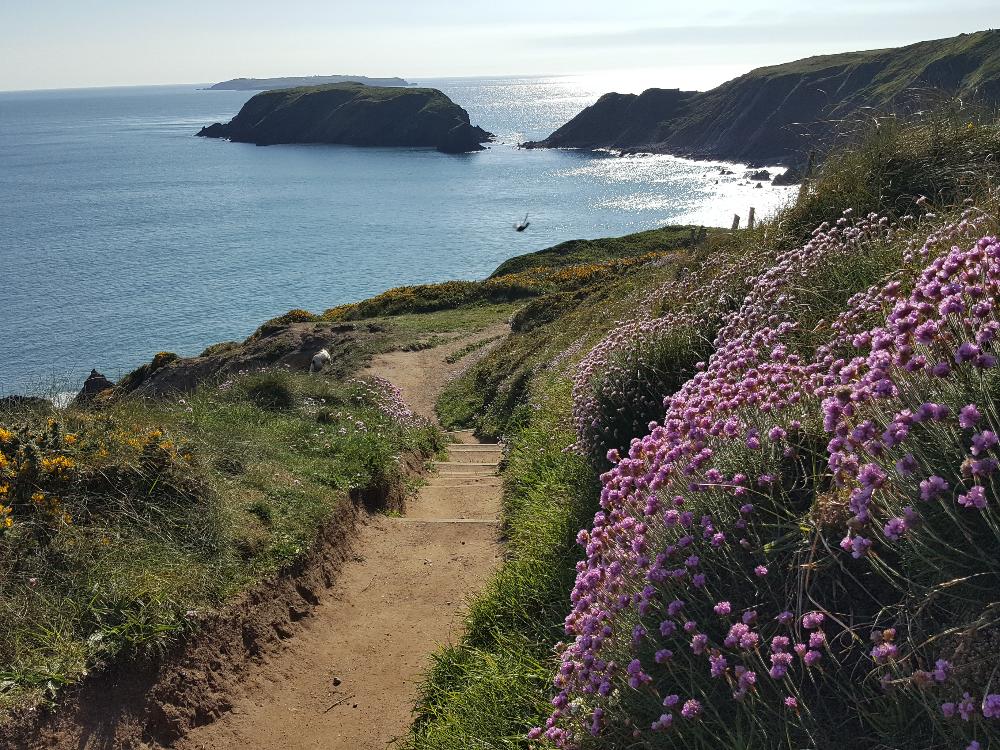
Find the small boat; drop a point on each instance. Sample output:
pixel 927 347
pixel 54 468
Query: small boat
pixel 524 224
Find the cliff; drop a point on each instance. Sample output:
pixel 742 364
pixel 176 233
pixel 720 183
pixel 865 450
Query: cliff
pixel 266 84
pixel 353 114
pixel 774 114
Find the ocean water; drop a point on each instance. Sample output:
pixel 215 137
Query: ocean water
pixel 122 234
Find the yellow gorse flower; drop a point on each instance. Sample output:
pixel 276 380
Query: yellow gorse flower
pixel 57 464
pixel 6 436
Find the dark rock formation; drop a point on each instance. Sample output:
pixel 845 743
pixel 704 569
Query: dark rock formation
pixel 267 84
pixel 353 114
pixel 93 386
pixel 463 138
pixel 759 175
pixel 290 345
pixel 791 176
pixel 773 115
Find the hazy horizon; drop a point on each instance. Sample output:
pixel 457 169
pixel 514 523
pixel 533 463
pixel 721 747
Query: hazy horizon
pixel 64 45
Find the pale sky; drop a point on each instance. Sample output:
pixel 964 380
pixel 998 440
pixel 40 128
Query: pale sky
pixel 692 45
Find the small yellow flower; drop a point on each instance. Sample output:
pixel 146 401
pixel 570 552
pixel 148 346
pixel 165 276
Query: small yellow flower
pixel 67 519
pixel 8 522
pixel 70 438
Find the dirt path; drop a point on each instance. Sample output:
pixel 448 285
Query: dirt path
pixel 348 680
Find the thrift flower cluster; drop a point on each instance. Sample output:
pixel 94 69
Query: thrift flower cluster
pixel 688 614
pixel 387 399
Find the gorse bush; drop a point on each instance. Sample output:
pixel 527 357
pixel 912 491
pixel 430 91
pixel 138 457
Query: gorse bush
pixel 507 288
pixel 803 552
pixel 268 390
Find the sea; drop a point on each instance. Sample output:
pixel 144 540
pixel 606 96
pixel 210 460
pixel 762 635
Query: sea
pixel 122 234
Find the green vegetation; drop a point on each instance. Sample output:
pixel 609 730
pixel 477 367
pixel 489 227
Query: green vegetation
pixel 121 523
pixel 468 349
pixel 581 252
pixel 508 288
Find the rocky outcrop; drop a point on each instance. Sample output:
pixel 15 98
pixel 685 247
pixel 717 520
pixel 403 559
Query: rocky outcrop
pixel 773 115
pixel 353 114
pixel 266 84
pixel 287 345
pixel 94 386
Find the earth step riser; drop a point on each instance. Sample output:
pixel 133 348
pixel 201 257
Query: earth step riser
pixel 473 458
pixel 453 468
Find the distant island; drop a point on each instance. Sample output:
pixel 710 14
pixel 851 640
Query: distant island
pixel 265 84
pixel 353 114
pixel 773 115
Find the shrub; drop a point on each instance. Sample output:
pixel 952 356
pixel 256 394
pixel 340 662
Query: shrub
pixel 292 316
pixel 268 390
pixel 945 154
pixel 619 386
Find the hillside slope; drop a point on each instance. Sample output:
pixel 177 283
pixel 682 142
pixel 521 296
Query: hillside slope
pixel 773 114
pixel 353 114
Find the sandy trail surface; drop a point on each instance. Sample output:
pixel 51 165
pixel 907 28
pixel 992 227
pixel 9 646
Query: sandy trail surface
pixel 349 678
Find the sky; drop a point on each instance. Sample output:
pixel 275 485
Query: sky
pixel 690 45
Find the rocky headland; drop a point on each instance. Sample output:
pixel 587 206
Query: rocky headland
pixel 776 114
pixel 354 114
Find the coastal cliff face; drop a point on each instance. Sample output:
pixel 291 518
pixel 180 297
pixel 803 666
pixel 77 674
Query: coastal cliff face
pixel 774 114
pixel 353 114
